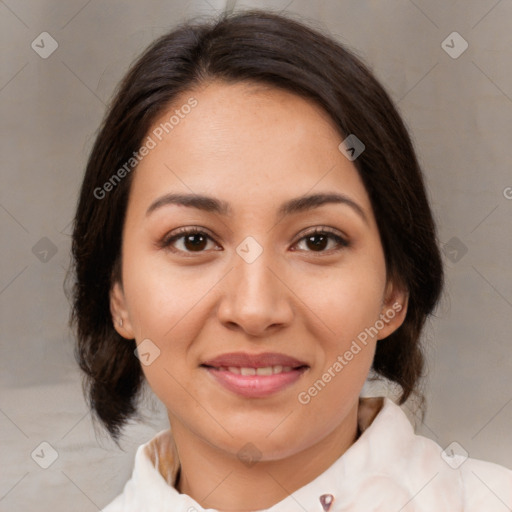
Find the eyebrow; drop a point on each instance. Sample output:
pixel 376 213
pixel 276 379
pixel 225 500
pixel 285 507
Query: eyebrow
pixel 290 207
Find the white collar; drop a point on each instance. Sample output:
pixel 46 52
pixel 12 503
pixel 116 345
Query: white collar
pixel 387 467
pixel 153 476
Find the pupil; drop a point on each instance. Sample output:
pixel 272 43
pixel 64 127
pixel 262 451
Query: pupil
pixel 194 246
pixel 319 244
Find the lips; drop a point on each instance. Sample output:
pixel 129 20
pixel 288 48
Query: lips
pixel 255 375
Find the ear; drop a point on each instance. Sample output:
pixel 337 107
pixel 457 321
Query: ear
pixel 394 308
pixel 119 311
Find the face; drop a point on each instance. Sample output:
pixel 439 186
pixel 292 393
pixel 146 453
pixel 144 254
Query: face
pixel 259 309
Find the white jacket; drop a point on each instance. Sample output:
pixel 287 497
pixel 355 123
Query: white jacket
pixel 388 469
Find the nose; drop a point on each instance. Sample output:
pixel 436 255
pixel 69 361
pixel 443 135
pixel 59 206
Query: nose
pixel 255 297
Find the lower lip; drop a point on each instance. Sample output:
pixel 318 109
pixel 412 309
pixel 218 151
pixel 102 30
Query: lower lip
pixel 255 386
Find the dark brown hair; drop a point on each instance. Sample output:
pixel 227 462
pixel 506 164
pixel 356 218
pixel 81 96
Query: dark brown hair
pixel 254 46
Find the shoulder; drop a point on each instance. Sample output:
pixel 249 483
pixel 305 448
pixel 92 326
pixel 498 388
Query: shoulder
pixel 477 484
pixel 486 486
pixel 427 475
pixel 115 506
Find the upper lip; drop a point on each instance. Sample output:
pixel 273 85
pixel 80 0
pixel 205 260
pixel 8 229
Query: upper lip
pixel 244 360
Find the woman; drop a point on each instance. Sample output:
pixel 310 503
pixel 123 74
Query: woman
pixel 254 220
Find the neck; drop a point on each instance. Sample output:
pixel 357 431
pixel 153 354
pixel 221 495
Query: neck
pixel 217 479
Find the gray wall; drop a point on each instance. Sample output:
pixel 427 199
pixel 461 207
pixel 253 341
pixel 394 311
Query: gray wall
pixel 458 109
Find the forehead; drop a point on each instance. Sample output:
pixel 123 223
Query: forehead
pixel 247 143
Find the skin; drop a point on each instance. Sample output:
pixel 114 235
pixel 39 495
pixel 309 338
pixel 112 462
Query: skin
pixel 255 148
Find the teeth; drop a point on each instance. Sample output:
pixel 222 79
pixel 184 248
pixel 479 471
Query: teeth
pixel 266 370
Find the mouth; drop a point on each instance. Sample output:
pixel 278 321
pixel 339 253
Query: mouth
pixel 255 376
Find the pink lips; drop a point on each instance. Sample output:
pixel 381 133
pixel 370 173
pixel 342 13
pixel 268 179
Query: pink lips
pixel 257 375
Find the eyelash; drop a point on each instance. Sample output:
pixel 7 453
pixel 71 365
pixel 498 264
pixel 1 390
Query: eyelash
pixel 168 240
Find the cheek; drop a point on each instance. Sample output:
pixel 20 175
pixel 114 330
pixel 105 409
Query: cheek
pixel 161 310
pixel 160 296
pixel 160 306
pixel 346 300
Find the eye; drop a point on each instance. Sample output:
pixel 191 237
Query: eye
pixel 189 240
pixel 318 239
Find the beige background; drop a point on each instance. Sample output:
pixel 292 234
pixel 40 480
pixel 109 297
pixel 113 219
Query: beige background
pixel 460 114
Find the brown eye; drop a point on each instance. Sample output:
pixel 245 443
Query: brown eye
pixel 195 242
pixel 318 240
pixel 187 241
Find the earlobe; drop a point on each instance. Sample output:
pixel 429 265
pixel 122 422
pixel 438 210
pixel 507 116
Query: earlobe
pixel 119 312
